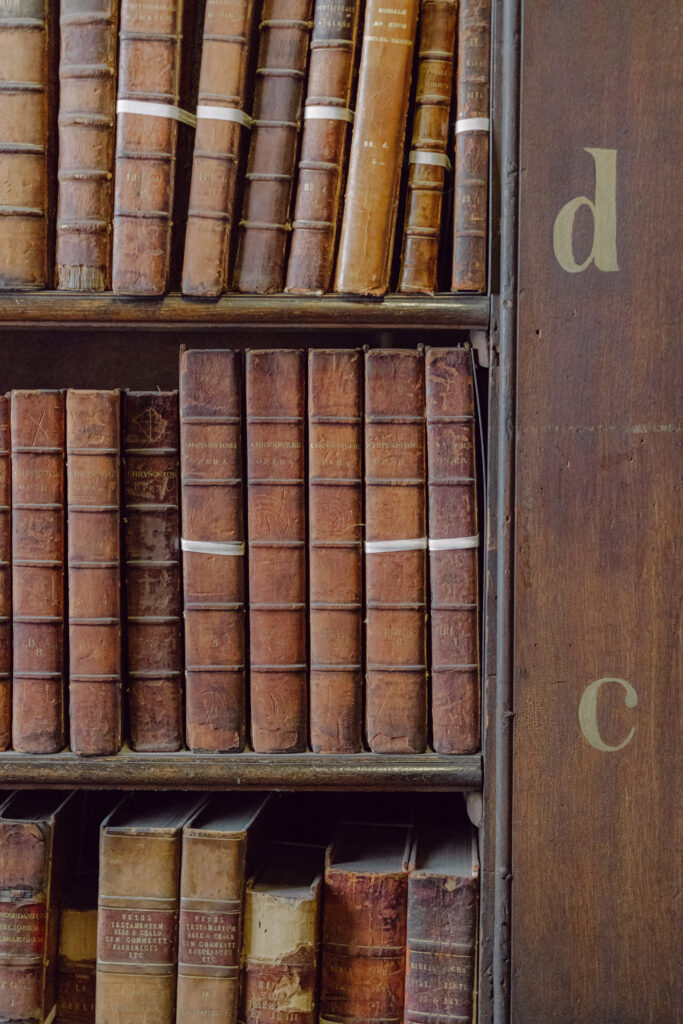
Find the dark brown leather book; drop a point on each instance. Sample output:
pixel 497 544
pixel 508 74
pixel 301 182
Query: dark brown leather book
pixel 5 576
pixel 24 140
pixel 221 124
pixel 453 550
pixel 364 924
pixel 472 147
pixel 443 900
pixel 366 241
pixel 149 79
pixel 429 163
pixel 322 162
pixel 94 508
pixel 154 667
pixel 213 548
pixel 276 481
pixel 278 97
pixel 87 103
pixel 335 508
pixel 38 684
pixel 395 551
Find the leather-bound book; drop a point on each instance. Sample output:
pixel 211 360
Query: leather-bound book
pixel 149 80
pixel 281 949
pixel 472 147
pixel 276 384
pixel 221 124
pixel 278 98
pixel 213 548
pixel 94 508
pixel 453 554
pixel 443 900
pixel 87 102
pixel 24 139
pixel 364 924
pixel 429 163
pixel 218 844
pixel 137 920
pixel 5 575
pixel 152 540
pixel 38 684
pixel 322 161
pixel 335 509
pixel 395 551
pixel 366 241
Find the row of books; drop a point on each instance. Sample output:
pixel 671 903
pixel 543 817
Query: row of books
pixel 220 908
pixel 101 176
pixel 292 571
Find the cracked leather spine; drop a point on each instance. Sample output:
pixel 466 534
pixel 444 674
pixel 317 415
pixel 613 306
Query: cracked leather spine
pixel 5 575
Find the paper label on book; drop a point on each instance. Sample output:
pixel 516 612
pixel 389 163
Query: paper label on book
pixel 22 928
pixel 209 937
pixel 130 936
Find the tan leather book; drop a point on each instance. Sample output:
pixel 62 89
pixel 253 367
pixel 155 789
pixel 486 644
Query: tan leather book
pixel 5 575
pixel 275 387
pixel 395 551
pixel 366 241
pixel 220 137
pixel 213 548
pixel 77 958
pixel 322 161
pixel 87 104
pixel 278 98
pixel 335 509
pixel 137 925
pixel 430 167
pixel 38 600
pixel 94 509
pixel 218 845
pixel 149 73
pixel 25 53
pixel 453 554
pixel 472 147
pixel 151 513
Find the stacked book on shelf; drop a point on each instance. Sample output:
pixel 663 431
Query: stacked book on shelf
pixel 255 146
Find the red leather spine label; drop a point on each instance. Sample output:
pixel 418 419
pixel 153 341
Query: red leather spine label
pixel 5 575
pixel 22 928
pixel 131 936
pixel 76 993
pixel 210 937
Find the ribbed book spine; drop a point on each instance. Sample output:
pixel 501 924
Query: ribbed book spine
pixel 5 576
pixel 77 965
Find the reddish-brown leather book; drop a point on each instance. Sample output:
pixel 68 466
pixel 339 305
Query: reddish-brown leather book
pixel 221 124
pixel 335 508
pixel 443 900
pixel 213 548
pixel 87 103
pixel 38 435
pixel 322 162
pixel 154 667
pixel 5 576
pixel 24 140
pixel 429 163
pixel 364 924
pixel 366 241
pixel 94 508
pixel 149 75
pixel 472 147
pixel 276 384
pixel 453 550
pixel 395 551
pixel 278 97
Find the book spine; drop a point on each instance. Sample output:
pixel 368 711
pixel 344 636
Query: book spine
pixel 395 551
pixel 327 120
pixel 225 58
pixel 5 576
pixel 453 558
pixel 335 502
pixel 87 102
pixel 76 967
pixel 278 96
pixel 277 549
pixel 152 538
pixel 369 221
pixel 472 147
pixel 213 543
pixel 149 72
pixel 38 434
pixel 93 497
pixel 24 139
pixel 429 162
